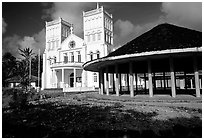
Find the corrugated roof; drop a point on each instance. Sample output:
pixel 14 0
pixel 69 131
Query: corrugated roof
pixel 162 37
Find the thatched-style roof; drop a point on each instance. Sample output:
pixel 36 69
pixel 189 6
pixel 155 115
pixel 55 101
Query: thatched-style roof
pixel 16 79
pixel 162 37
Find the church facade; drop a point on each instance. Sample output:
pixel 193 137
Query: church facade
pixel 65 52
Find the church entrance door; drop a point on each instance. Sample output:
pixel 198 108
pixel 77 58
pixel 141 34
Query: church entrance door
pixel 71 78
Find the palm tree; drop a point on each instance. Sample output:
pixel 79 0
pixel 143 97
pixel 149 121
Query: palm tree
pixel 27 54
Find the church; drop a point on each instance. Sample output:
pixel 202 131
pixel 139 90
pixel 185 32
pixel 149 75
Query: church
pixel 65 52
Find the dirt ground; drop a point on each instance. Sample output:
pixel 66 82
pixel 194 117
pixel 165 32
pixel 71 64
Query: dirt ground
pixel 94 115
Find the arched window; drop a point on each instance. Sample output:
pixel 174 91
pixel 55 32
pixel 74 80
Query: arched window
pixel 79 56
pixel 95 77
pixel 65 58
pixel 97 54
pixel 91 55
pixel 72 56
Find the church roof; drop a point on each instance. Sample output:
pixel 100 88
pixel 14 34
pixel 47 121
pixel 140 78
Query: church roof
pixel 162 37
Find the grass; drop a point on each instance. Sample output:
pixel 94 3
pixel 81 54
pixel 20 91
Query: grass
pixel 82 116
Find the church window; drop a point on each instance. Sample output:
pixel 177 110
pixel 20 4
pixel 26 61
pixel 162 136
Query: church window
pixel 79 56
pixel 98 54
pixel 65 58
pixel 72 56
pixel 91 56
pixel 95 77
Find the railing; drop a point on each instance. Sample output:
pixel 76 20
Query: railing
pixel 68 63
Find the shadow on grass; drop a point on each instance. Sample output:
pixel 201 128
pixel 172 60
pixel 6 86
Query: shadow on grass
pixel 55 120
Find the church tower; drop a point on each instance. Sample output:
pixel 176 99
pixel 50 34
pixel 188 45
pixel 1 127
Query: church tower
pixel 98 36
pixel 56 32
pixel 98 32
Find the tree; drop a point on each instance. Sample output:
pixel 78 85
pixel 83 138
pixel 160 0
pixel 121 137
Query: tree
pixel 27 53
pixel 9 67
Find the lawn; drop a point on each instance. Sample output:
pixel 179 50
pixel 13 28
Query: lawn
pixel 93 115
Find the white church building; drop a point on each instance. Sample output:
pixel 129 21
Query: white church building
pixel 65 52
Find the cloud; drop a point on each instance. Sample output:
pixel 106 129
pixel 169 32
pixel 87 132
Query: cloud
pixel 183 14
pixel 186 14
pixel 125 31
pixel 4 25
pixel 71 12
pixel 13 43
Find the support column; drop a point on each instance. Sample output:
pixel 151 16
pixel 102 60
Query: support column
pixel 101 82
pixel 131 80
pixel 196 74
pixel 150 79
pixel 116 80
pixel 173 84
pixel 136 82
pixel 62 77
pixel 74 77
pixel 113 83
pixel 107 82
pixel 55 79
pixel 128 84
pixel 120 82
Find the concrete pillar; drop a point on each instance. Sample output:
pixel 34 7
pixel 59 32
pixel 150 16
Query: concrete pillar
pixel 101 82
pixel 107 82
pixel 131 80
pixel 116 80
pixel 196 74
pixel 120 82
pixel 173 84
pixel 55 78
pixel 128 84
pixel 150 79
pixel 113 83
pixel 62 77
pixel 74 77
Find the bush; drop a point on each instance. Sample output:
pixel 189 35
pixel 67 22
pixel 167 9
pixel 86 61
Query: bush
pixel 18 97
pixel 118 105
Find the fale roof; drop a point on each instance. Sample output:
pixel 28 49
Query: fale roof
pixel 162 37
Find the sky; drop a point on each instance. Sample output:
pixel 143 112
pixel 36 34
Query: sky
pixel 23 24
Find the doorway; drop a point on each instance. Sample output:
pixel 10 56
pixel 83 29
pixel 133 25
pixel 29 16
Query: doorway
pixel 71 78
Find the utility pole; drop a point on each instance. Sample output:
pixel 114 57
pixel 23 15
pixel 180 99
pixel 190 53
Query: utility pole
pixel 38 89
pixel 30 73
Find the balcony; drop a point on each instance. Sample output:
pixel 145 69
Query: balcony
pixel 66 64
